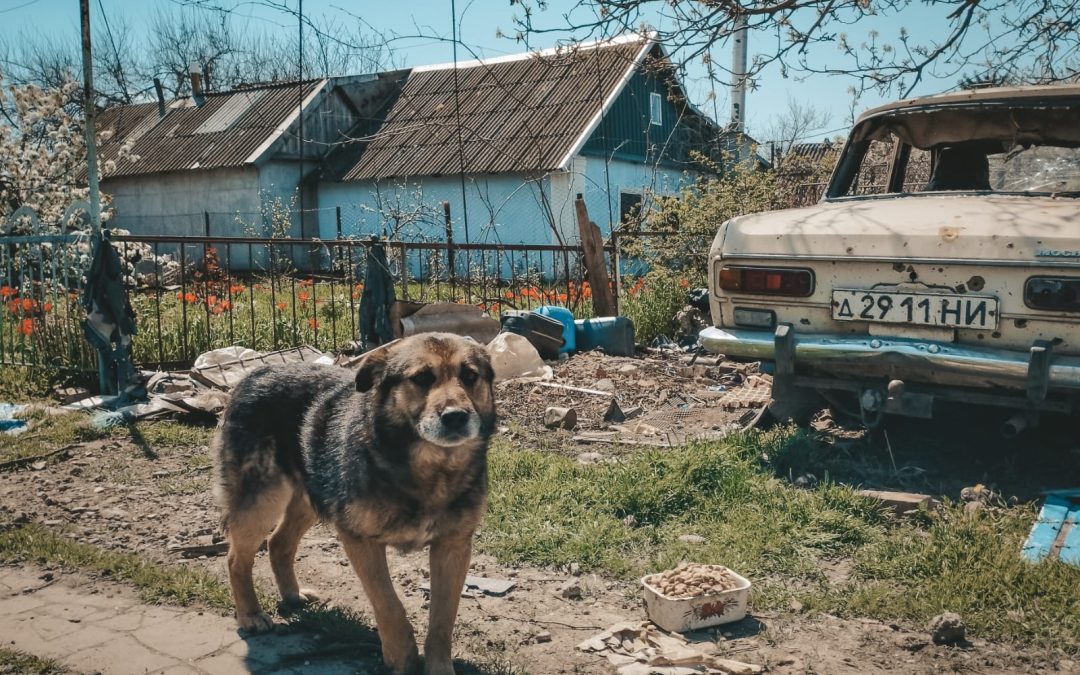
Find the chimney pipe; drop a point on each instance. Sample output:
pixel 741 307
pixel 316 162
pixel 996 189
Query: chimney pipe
pixel 160 98
pixel 738 75
pixel 196 84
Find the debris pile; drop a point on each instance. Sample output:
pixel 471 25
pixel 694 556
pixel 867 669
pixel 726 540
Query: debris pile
pixel 640 648
pixel 664 398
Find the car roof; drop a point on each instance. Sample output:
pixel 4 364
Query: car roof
pixel 1035 92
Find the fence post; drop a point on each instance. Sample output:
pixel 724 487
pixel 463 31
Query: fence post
pixel 616 240
pixel 592 246
pixel 450 257
pixel 206 233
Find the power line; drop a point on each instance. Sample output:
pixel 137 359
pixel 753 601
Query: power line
pixel 457 112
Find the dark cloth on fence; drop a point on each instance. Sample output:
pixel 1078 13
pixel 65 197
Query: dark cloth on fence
pixel 110 321
pixel 377 298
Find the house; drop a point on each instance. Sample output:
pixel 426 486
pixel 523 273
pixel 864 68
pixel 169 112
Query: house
pixel 507 142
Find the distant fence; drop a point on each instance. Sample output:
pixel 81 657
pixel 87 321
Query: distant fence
pixel 189 296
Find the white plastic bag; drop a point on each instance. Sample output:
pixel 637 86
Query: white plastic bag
pixel 513 356
pixel 231 354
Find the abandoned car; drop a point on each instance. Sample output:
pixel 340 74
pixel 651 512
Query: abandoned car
pixel 943 263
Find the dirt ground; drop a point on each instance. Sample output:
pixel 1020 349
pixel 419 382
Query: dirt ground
pixel 117 495
pixel 128 496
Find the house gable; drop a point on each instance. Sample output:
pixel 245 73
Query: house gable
pixel 628 131
pixel 652 122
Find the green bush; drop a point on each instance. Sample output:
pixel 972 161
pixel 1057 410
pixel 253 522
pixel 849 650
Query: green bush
pixel 651 302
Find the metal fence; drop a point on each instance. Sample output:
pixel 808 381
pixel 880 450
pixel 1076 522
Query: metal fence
pixel 193 294
pixel 41 283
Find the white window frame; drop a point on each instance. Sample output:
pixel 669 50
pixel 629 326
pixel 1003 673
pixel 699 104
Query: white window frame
pixel 656 109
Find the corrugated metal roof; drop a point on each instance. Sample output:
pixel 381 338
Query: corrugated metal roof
pixel 516 114
pixel 224 132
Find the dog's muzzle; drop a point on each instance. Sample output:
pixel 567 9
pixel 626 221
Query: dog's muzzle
pixel 451 427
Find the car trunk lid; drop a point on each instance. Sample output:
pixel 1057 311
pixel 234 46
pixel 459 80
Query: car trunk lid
pixel 940 227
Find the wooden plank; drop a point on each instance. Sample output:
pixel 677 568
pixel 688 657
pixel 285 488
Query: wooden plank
pixel 1046 528
pixel 1070 543
pixel 592 245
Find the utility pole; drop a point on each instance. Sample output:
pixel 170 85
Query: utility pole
pixel 738 75
pixel 88 102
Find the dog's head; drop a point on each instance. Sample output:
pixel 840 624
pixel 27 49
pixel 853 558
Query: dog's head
pixel 438 384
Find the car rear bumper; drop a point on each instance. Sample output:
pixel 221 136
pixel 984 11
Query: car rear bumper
pixel 1036 371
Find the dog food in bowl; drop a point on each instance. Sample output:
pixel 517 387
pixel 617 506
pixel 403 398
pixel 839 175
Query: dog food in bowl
pixel 691 579
pixel 694 596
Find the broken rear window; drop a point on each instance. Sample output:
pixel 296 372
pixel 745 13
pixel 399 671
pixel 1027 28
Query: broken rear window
pixel 991 147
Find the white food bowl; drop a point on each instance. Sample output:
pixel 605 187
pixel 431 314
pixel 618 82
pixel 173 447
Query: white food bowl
pixel 680 615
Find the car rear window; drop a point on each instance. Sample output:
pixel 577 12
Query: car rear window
pixel 1026 151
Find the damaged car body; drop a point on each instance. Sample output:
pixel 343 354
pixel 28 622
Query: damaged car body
pixel 943 263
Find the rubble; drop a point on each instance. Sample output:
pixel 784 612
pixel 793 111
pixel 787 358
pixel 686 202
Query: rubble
pixel 659 400
pixel 641 648
pixel 572 591
pixel 947 629
pixel 560 418
pixel 480 586
pixel 901 503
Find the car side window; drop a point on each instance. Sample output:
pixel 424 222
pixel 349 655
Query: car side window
pixel 917 170
pixel 872 177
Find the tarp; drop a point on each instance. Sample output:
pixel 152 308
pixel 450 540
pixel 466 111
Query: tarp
pixel 110 320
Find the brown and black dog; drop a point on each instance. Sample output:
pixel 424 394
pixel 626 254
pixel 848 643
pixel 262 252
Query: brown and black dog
pixel 395 455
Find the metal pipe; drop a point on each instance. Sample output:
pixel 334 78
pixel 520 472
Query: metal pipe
pixel 88 104
pixel 1014 426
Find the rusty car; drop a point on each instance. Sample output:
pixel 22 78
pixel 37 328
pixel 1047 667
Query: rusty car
pixel 941 264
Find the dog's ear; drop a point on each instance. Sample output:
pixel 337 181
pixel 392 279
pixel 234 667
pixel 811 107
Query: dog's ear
pixel 371 370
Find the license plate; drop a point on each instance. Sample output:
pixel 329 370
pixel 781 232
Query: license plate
pixel 920 309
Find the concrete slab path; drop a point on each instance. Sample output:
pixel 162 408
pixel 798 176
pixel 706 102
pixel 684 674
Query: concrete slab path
pixel 115 634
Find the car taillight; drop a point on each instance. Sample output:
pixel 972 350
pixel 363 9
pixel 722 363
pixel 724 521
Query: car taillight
pixel 767 280
pixel 1054 293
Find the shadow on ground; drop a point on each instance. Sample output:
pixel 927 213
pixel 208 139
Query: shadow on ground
pixel 961 447
pixel 328 641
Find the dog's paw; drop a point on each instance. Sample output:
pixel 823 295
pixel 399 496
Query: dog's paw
pixel 402 658
pixel 256 622
pixel 438 667
pixel 305 596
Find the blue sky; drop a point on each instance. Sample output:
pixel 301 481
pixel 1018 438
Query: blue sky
pixel 480 21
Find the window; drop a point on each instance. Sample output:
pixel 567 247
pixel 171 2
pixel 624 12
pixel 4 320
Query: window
pixel 656 109
pixel 629 207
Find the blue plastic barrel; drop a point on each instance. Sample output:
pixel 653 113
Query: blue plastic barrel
pixel 612 334
pixel 566 318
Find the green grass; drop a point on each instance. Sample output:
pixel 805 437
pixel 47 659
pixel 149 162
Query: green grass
pixel 14 662
pixel 49 432
pixel 625 519
pixel 157 583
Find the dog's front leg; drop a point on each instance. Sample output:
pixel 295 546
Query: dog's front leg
pixel 368 558
pixel 449 565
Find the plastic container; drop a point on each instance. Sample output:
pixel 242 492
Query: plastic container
pixel 564 316
pixel 680 615
pixel 612 334
pixel 545 333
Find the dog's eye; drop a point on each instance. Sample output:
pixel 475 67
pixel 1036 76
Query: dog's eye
pixel 468 376
pixel 425 378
